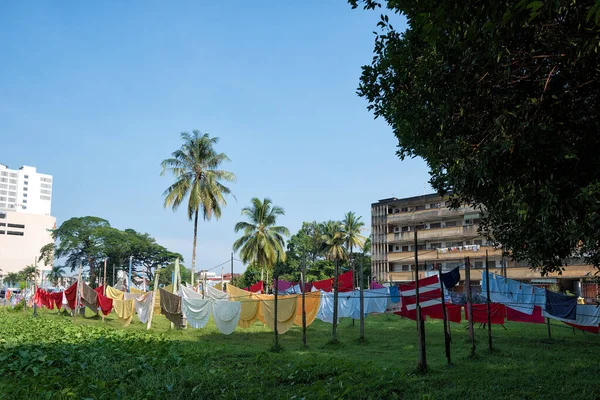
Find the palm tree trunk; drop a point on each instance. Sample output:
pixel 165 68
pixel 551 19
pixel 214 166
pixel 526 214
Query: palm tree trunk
pixel 195 237
pixel 335 303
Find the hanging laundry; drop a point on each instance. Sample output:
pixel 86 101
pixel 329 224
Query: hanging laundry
pixel 430 295
pixel 325 312
pixel 326 285
pixel 394 294
pixel 124 310
pixel 497 312
pixel 142 305
pixel 168 288
pixel 375 300
pixel 282 285
pixel 130 296
pixel 57 298
pixel 587 315
pixel 195 309
pixel 312 301
pixel 89 297
pixel 509 292
pixel 453 313
pixel 560 306
pixel 258 287
pixel 114 294
pixel 71 296
pixel 536 316
pixel 451 278
pixel 286 312
pixel 104 303
pixel 170 307
pixel 346 282
pixel 226 315
pixel 249 305
pixel 137 291
pixel 215 294
pixel 375 285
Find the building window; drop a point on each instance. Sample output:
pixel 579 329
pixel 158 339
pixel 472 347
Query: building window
pixel 450 223
pixel 24 207
pixel 2 198
pixel 45 180
pixel 16 226
pixel 11 199
pixel 13 181
pixel 14 233
pixel 434 246
pixel 435 225
pixel 3 180
pixel 421 247
pixel 420 227
pixel 405 228
pixel 2 223
pixel 24 201
pixel 24 194
pixel 420 207
pixel 45 191
pixel 3 173
pixel 45 197
pixel 478 242
pixel 2 186
pixel 24 189
pixel 435 205
pixel 492 263
pixel 406 268
pixel 46 186
pixel 26 183
pixel 12 187
pixel 13 174
pixel 397 248
pixel 26 177
pixel 2 215
pixel 405 248
pixel 478 264
pixel 2 232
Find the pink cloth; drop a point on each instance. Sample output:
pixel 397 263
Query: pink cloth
pixel 535 318
pixel 375 285
pixel 282 285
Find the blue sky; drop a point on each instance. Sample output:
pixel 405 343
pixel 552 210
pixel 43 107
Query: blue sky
pixel 96 94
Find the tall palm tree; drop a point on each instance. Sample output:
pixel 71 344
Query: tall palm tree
pixel 353 226
pixel 333 244
pixel 30 272
pixel 195 167
pixel 56 274
pixel 262 240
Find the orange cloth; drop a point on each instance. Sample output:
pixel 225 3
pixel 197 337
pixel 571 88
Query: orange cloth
pixel 311 304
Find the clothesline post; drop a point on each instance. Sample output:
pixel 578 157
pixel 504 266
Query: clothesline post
pixel 361 338
pixel 77 294
pixel 489 315
pixel 422 364
pixel 446 327
pixel 469 304
pixel 549 332
pixel 303 288
pixel 276 275
pixel 104 286
pixel 153 299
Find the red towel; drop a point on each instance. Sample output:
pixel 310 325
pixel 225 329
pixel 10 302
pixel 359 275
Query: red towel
pixel 57 298
pixel 325 285
pixel 71 295
pixel 346 282
pixel 497 311
pixel 258 287
pixel 535 318
pixel 593 329
pixel 453 311
pixel 104 303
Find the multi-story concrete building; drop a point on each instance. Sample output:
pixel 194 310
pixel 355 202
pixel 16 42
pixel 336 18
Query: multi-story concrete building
pixel 25 221
pixel 445 237
pixel 25 190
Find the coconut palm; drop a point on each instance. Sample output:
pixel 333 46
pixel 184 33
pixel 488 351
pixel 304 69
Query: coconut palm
pixel 353 226
pixel 262 240
pixel 195 167
pixel 11 278
pixel 56 274
pixel 30 272
pixel 333 244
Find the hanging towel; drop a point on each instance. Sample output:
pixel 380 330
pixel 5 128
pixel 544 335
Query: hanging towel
pixel 587 315
pixel 375 285
pixel 89 297
pixel 394 294
pixel 215 294
pixel 510 293
pixel 114 294
pixel 170 307
pixel 497 312
pixel 258 287
pixel 348 305
pixel 124 310
pixel 71 296
pixel 57 298
pixel 250 306
pixel 142 305
pixel 325 312
pixel 326 285
pixel 137 291
pixel 312 300
pixel 226 315
pixel 195 309
pixel 375 300
pixel 536 316
pixel 453 313
pixel 451 278
pixel 282 285
pixel 346 282
pixel 560 306
pixel 286 312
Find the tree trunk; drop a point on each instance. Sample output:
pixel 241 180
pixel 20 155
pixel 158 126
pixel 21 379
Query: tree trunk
pixel 335 303
pixel 92 272
pixel 195 237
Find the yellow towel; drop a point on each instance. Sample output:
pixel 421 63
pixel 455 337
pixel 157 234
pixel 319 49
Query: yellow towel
pixel 286 312
pixel 124 309
pixel 250 305
pixel 113 293
pixel 311 305
pixel 137 291
pixel 168 288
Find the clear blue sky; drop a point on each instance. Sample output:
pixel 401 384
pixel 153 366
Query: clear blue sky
pixel 96 94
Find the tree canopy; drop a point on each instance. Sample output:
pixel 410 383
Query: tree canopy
pixel 501 100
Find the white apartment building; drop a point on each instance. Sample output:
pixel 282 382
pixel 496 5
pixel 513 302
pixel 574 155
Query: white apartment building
pixel 25 221
pixel 25 190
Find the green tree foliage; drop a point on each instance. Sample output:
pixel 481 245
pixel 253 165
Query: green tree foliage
pixel 29 273
pixel 56 274
pixel 262 239
pixel 195 167
pixel 11 278
pixel 166 274
pixel 353 227
pixel 501 100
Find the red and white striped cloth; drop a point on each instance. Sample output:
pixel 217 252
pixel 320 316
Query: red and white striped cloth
pixel 430 297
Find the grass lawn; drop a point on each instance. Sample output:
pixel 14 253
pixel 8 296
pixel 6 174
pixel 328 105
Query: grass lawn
pixel 48 357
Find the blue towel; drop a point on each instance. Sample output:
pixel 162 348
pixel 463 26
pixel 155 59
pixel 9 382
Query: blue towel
pixel 451 278
pixel 394 294
pixel 561 306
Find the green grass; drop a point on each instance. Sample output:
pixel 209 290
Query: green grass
pixel 49 357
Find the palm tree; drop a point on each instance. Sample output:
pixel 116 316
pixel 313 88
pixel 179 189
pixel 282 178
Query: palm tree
pixel 56 274
pixel 30 272
pixel 353 226
pixel 262 241
pixel 333 244
pixel 11 278
pixel 195 167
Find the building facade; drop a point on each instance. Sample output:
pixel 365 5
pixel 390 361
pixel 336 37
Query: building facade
pixel 444 238
pixel 25 190
pixel 26 223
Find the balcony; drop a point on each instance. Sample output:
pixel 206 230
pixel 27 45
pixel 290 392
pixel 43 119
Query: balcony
pixel 431 214
pixel 427 256
pixel 437 234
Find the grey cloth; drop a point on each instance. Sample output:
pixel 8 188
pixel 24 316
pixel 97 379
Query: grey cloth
pixel 170 307
pixel 89 297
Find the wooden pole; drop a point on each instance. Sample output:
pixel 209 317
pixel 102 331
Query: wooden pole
pixel 362 302
pixel 422 364
pixel 335 302
pixel 549 332
pixel 231 278
pixel 153 299
pixel 104 281
pixel 174 281
pixel 276 275
pixel 77 294
pixel 469 304
pixel 489 312
pixel 445 314
pixel 303 288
